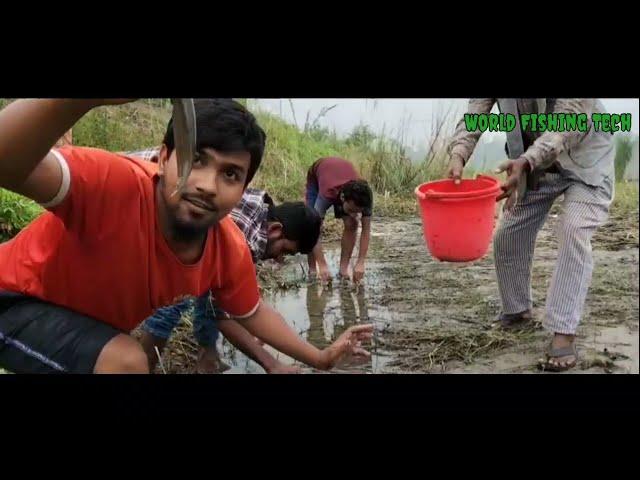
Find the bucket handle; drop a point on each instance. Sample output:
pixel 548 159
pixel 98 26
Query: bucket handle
pixel 495 195
pixel 462 195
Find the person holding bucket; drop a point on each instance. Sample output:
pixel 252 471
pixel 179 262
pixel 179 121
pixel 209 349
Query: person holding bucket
pixel 541 168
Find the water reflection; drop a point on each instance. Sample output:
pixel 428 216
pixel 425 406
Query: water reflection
pixel 320 314
pixel 327 321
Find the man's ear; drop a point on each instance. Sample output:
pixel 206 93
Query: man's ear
pixel 275 230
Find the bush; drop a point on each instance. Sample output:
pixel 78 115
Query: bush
pixel 16 212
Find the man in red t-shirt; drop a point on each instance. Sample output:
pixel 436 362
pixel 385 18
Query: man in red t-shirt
pixel 115 243
pixel 334 182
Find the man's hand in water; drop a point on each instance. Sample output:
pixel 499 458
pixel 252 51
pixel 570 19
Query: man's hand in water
pixel 347 344
pixel 514 169
pixel 324 274
pixel 358 272
pixel 456 166
pixel 344 273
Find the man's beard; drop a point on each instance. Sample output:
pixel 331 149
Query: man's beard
pixel 180 230
pixel 186 231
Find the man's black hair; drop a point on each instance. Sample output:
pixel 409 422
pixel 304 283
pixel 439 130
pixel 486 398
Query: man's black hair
pixel 359 192
pixel 225 125
pixel 300 223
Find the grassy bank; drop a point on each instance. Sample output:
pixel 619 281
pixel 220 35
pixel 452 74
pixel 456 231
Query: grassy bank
pixel 290 151
pixel 127 127
pixel 289 154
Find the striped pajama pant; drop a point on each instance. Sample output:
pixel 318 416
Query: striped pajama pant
pixel 584 209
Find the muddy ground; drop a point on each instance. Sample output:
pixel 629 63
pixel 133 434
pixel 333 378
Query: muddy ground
pixel 434 317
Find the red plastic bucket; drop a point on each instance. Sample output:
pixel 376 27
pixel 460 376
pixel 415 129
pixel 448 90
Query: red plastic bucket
pixel 458 220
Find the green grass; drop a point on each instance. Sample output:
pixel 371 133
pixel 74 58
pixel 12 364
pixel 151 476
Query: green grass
pixel 16 212
pixel 624 145
pixel 625 202
pixel 132 126
pixel 382 161
pixel 289 154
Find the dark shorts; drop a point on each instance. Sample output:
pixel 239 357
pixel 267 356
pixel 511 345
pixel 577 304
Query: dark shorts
pixel 205 325
pixel 39 337
pixel 320 204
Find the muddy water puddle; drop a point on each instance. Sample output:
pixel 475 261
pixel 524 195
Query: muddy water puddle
pixel 320 313
pixel 443 313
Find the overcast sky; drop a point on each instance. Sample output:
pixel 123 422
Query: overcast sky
pixel 412 116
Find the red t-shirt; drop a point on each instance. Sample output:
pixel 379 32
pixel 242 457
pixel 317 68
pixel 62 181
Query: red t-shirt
pixel 330 174
pixel 100 251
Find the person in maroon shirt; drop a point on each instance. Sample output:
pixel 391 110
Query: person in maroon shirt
pixel 334 182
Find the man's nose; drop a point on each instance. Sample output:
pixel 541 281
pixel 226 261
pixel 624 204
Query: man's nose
pixel 208 182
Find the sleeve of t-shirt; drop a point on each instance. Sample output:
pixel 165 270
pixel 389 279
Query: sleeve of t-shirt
pixel 95 183
pixel 239 295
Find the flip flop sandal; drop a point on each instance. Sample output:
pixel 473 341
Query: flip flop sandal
pixel 554 353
